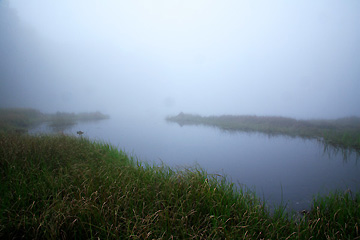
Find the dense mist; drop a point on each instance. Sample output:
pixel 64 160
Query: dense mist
pixel 292 58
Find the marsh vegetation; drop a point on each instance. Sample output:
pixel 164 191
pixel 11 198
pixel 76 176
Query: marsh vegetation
pixel 342 132
pixel 20 120
pixel 140 60
pixel 67 187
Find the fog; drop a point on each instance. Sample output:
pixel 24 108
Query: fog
pixel 292 58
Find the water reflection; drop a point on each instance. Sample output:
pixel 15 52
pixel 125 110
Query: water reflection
pixel 348 154
pixel 342 133
pixel 60 128
pixel 278 168
pixel 330 149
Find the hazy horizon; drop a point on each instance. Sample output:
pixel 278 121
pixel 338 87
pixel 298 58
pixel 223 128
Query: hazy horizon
pixel 296 59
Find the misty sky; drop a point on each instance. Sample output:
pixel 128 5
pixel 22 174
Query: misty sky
pixel 292 58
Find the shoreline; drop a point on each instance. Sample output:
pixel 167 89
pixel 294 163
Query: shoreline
pixel 58 184
pixel 339 133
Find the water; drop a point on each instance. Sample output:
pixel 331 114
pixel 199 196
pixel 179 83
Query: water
pixel 280 169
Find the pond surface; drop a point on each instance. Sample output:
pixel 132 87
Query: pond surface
pixel 279 169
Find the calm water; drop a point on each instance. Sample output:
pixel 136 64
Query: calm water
pixel 278 168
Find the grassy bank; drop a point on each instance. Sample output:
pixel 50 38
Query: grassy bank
pixel 344 132
pixel 61 187
pixel 19 120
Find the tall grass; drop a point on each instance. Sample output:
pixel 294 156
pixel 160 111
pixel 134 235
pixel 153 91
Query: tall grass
pixel 336 216
pixel 61 187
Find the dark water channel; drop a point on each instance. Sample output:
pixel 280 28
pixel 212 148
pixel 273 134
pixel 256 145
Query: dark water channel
pixel 279 169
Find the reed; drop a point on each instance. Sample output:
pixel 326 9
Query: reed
pixel 62 187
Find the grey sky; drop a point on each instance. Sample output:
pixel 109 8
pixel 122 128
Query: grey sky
pixel 291 58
